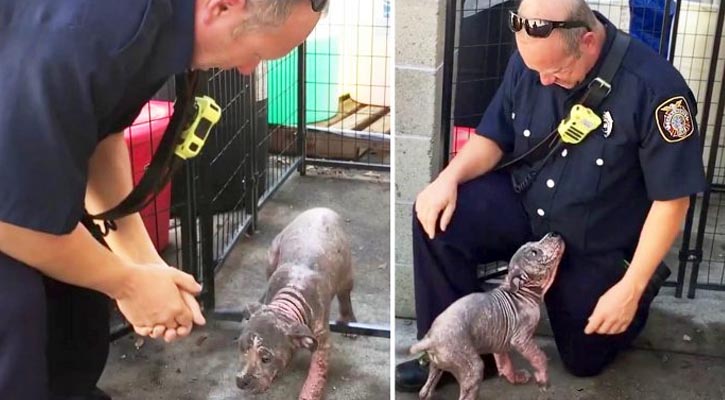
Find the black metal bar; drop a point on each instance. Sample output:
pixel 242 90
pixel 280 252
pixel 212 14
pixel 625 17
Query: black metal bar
pixel 447 89
pixel 714 144
pixel 664 47
pixel 717 188
pixel 710 286
pixel 187 224
pixel 359 328
pixel 353 328
pixel 251 188
pixel 250 202
pixel 675 23
pixel 301 106
pixel 206 232
pixel 684 254
pixel 198 192
pixel 347 164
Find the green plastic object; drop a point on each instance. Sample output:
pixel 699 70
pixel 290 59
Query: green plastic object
pixel 322 84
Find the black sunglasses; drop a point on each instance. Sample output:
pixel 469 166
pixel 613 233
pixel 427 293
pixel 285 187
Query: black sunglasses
pixel 318 5
pixel 541 28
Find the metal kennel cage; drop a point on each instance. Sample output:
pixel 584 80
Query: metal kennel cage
pixel 259 142
pixel 688 33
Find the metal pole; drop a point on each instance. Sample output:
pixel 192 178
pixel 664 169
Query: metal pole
pixel 253 191
pixel 301 106
pixel 665 29
pixel 675 23
pixel 447 89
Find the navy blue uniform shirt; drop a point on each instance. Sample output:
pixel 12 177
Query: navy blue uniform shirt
pixel 597 193
pixel 72 72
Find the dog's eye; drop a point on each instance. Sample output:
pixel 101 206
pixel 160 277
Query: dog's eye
pixel 534 252
pixel 266 358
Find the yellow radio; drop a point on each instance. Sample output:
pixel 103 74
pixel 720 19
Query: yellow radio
pixel 197 130
pixel 580 122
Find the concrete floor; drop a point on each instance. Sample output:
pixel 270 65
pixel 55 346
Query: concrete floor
pixel 680 355
pixel 203 366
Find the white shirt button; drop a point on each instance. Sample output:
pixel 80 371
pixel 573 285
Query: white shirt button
pixel 550 183
pixel 600 162
pixel 540 212
pixel 564 152
pixel 527 133
pixel 513 115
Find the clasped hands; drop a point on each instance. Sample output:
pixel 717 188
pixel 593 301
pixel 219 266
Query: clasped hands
pixel 159 301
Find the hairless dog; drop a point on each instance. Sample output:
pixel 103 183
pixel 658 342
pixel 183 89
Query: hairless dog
pixel 494 322
pixel 309 264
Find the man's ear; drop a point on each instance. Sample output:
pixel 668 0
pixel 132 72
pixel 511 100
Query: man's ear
pixel 302 337
pixel 250 309
pixel 214 8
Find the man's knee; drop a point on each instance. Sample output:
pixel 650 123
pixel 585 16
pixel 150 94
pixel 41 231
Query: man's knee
pixel 585 355
pixel 22 333
pixel 584 362
pixel 22 300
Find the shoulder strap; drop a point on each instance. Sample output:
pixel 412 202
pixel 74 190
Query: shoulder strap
pixel 597 90
pixel 600 86
pixel 164 162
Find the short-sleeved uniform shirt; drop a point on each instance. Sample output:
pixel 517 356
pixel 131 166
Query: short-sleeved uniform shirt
pixel 73 72
pixel 597 193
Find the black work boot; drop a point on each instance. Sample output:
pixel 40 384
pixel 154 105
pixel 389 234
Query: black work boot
pixel 410 376
pixel 658 279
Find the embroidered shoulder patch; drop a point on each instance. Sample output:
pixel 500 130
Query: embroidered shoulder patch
pixel 674 119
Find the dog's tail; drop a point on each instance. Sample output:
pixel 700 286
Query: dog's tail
pixel 423 345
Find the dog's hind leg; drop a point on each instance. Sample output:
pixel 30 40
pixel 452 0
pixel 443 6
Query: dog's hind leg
pixel 434 375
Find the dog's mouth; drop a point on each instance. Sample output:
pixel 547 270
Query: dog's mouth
pixel 556 252
pixel 257 387
pixel 256 383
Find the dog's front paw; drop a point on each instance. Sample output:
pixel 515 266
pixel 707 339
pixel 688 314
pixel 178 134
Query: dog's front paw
pixel 544 386
pixel 522 376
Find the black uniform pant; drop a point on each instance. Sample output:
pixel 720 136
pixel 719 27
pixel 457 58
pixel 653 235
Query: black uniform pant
pixel 54 338
pixel 490 224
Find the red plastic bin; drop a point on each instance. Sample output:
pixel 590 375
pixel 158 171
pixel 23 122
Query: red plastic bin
pixel 461 134
pixel 143 138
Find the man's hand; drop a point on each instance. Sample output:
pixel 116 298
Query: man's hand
pixel 155 296
pixel 439 196
pixel 169 335
pixel 615 309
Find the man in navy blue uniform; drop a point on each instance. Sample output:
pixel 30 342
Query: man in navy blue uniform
pixel 75 74
pixel 618 198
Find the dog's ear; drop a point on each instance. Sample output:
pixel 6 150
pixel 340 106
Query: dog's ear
pixel 250 309
pixel 515 284
pixel 513 280
pixel 302 337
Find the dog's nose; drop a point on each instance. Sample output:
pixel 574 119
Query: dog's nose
pixel 242 382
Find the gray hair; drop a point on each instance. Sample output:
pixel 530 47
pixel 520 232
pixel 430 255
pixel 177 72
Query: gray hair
pixel 269 13
pixel 579 11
